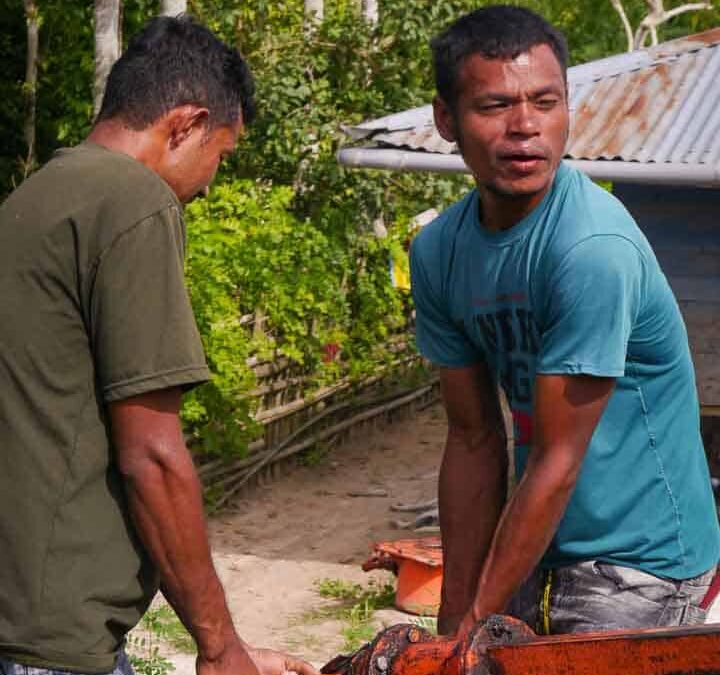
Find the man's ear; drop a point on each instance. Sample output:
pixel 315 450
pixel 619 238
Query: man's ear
pixel 444 120
pixel 184 121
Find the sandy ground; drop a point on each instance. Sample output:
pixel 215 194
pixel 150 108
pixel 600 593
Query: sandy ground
pixel 272 547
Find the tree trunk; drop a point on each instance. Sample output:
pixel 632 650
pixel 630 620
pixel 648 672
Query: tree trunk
pixel 108 44
pixel 33 29
pixel 173 7
pixel 370 11
pixel 314 10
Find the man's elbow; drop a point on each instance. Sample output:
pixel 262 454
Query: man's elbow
pixel 153 460
pixel 558 470
pixel 477 439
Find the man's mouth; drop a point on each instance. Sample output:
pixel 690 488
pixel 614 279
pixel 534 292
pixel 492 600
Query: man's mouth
pixel 522 162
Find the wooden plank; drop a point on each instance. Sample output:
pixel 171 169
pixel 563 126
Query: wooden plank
pixel 702 343
pixel 695 289
pixel 702 317
pixel 707 373
pixel 684 260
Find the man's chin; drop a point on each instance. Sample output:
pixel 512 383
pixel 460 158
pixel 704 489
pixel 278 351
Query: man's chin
pixel 520 187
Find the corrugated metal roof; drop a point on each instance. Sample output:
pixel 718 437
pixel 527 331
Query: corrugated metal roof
pixel 657 105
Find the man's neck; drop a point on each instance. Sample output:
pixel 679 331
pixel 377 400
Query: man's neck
pixel 499 212
pixel 116 136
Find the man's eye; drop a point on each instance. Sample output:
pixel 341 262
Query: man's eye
pixel 546 103
pixel 492 107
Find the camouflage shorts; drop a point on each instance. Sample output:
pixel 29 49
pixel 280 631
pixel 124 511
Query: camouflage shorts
pixel 597 596
pixel 122 667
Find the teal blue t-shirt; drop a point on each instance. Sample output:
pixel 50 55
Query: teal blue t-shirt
pixel 575 288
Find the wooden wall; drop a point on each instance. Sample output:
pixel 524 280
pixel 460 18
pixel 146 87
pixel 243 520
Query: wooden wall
pixel 683 226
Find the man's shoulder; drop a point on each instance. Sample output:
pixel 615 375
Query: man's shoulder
pixel 116 179
pixel 101 192
pixel 587 211
pixel 440 234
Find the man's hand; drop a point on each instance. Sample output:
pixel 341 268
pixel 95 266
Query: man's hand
pixel 269 662
pixel 238 659
pixel 466 625
pixel 235 659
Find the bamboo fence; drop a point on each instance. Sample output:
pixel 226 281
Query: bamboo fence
pixel 296 418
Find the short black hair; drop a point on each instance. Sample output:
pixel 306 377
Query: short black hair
pixel 496 32
pixel 175 61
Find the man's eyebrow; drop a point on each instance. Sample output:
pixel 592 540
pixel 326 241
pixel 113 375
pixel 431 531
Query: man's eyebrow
pixel 509 98
pixel 550 89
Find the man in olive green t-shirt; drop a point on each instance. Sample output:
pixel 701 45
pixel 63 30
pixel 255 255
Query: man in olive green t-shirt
pixel 99 498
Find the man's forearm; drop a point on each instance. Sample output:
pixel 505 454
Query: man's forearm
pixel 526 529
pixel 472 491
pixel 165 500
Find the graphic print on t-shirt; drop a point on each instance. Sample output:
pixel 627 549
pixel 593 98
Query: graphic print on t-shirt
pixel 506 331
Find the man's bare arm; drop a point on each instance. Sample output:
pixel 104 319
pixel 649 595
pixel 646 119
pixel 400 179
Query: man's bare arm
pixel 567 410
pixel 473 480
pixel 165 501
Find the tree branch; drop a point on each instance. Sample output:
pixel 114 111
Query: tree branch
pixel 617 4
pixel 689 7
pixel 658 15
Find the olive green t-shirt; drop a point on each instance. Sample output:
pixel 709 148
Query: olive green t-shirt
pixel 93 309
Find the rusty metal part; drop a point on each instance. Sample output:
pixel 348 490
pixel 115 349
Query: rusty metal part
pixel 426 550
pixel 418 566
pixel 503 645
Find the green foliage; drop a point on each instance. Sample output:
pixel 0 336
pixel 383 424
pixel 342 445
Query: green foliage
pixel 428 623
pixel 146 659
pixel 162 623
pixel 249 253
pixel 357 607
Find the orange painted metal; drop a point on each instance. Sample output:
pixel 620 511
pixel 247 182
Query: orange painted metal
pixel 661 652
pixel 418 566
pixel 506 646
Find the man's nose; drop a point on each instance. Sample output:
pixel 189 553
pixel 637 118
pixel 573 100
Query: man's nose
pixel 523 120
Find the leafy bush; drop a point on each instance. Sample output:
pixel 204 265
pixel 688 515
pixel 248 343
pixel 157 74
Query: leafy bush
pixel 249 254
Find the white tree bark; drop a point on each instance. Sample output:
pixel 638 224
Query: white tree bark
pixel 33 32
pixel 617 4
pixel 108 44
pixel 656 16
pixel 370 11
pixel 314 11
pixel 173 7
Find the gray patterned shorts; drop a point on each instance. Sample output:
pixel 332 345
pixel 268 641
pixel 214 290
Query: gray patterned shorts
pixel 597 596
pixel 122 667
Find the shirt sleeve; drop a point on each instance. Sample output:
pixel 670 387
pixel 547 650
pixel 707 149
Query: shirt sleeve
pixel 595 294
pixel 438 338
pixel 143 332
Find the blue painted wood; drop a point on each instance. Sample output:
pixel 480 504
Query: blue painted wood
pixel 683 227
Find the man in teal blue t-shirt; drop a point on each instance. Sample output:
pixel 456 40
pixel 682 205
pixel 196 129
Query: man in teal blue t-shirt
pixel 541 282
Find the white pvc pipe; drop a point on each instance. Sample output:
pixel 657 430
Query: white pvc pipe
pixel 610 170
pixel 401 160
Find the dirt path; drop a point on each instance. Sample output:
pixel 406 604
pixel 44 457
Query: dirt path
pixel 273 546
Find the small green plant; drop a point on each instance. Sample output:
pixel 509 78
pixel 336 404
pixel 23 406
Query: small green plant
pixel 429 623
pixel 357 607
pixel 162 622
pixel 145 657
